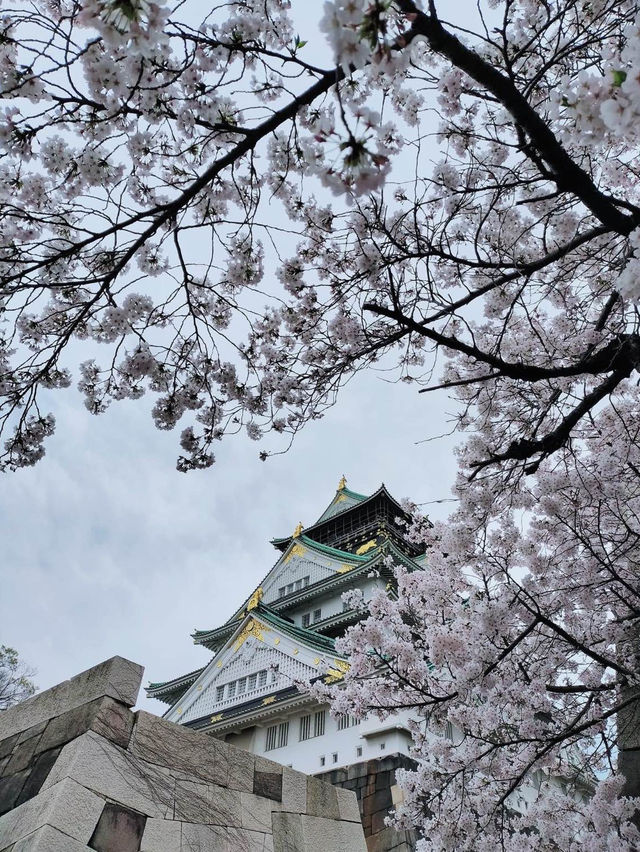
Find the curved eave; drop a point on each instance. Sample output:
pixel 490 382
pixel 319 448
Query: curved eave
pixel 212 639
pixel 341 493
pixel 341 556
pixel 282 543
pixel 169 691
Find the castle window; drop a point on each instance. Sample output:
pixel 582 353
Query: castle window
pixel 317 615
pixel 318 723
pixel 262 677
pixel 251 682
pixel 334 757
pixel 282 591
pixel 298 585
pixel 306 619
pixel 232 689
pixel 283 734
pixel 358 751
pixel 346 722
pixel 305 727
pixel 289 588
pixel 242 685
pixel 272 737
pixel 382 746
pixel 322 761
pixel 305 581
pixel 219 693
pixel 277 736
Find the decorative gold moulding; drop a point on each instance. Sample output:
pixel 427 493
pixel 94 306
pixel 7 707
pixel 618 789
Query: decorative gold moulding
pixel 365 547
pixel 269 699
pixel 334 674
pixel 252 628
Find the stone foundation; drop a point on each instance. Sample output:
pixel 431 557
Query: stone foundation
pixel 374 783
pixel 80 771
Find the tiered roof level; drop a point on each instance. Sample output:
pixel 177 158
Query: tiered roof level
pixel 285 631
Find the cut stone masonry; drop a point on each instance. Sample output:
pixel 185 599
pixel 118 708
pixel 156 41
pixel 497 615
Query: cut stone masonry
pixel 80 771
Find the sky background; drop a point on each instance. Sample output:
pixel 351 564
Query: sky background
pixel 106 549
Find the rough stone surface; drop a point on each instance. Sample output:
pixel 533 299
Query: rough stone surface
pixel 96 776
pixel 242 765
pixel 161 835
pixel 287 833
pixel 268 784
pixel 67 806
pixel 117 678
pixel 49 839
pixel 115 774
pixel 374 784
pixel 255 812
pixel 322 799
pixel 119 829
pixel 10 789
pixel 176 747
pixel 294 791
pixel 38 773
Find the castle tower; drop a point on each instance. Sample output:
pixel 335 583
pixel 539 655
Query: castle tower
pixel 285 632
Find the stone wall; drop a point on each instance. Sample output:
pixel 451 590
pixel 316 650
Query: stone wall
pixel 80 771
pixel 374 783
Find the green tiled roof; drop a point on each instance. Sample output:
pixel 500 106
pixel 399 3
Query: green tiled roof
pixel 349 499
pixel 301 634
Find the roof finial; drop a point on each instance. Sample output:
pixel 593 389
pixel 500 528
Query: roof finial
pixel 343 483
pixel 298 531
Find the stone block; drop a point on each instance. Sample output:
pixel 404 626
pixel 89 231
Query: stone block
pixel 216 838
pixel 207 803
pixel 241 770
pixel 348 805
pixel 101 766
pixel 116 678
pixel 105 716
pixel 331 835
pixel 119 829
pixel 268 784
pixel 161 835
pixel 7 744
pixel 38 773
pixel 179 749
pixel 21 756
pixel 10 789
pixel 294 791
pixel 255 812
pixel 263 764
pixel 322 799
pixel 287 832
pixel 378 822
pixel 47 839
pixel 67 806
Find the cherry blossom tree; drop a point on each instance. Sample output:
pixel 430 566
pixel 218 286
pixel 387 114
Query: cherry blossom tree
pixel 237 215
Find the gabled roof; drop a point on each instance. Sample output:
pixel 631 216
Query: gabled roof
pixel 329 516
pixel 340 580
pixel 170 690
pixel 266 632
pixel 344 499
pixel 342 557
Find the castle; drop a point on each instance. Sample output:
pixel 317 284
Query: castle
pixel 284 632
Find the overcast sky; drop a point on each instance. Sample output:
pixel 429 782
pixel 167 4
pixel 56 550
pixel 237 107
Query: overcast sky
pixel 107 549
